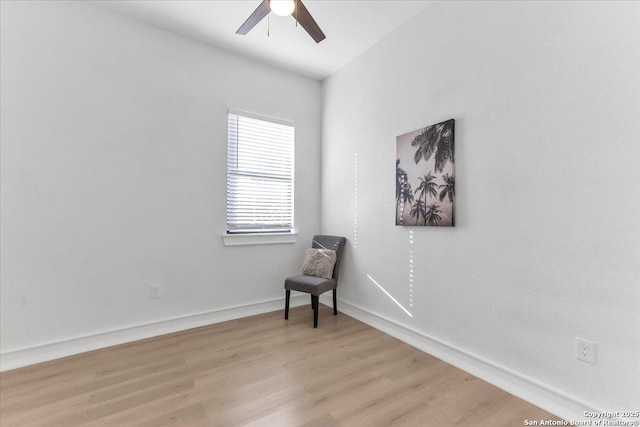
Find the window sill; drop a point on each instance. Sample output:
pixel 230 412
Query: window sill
pixel 258 239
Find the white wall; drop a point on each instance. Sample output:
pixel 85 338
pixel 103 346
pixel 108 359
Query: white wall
pixel 546 248
pixel 114 173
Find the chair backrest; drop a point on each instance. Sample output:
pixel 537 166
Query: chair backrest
pixel 330 242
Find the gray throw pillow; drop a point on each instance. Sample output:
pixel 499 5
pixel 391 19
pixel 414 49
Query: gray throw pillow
pixel 319 263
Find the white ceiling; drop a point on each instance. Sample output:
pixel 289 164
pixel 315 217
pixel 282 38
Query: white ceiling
pixel 351 27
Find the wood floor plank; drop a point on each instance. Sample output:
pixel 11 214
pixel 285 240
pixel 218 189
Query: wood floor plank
pixel 172 405
pixel 258 371
pixel 192 416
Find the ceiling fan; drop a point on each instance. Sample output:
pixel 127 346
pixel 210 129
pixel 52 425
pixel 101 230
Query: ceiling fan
pixel 294 8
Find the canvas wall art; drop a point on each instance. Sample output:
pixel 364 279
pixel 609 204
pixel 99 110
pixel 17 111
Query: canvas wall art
pixel 425 177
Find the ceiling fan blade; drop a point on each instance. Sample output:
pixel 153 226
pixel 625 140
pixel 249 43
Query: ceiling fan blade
pixel 261 11
pixel 308 23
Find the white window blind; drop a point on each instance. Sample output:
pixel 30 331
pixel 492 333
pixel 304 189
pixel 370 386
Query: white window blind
pixel 259 175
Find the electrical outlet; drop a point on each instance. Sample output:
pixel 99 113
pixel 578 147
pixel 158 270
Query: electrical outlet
pixel 154 291
pixel 586 350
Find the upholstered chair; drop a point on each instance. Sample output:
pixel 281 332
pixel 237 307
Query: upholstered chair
pixel 313 285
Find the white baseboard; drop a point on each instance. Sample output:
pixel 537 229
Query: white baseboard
pixel 529 389
pixel 44 352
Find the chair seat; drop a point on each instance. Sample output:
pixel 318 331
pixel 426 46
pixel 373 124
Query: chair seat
pixel 309 284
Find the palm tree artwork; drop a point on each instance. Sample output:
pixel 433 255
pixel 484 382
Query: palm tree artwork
pixel 401 179
pixel 448 190
pixel 426 188
pixel 432 216
pixel 418 210
pixel 425 162
pixel 403 193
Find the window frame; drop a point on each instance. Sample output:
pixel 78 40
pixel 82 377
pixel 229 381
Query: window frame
pixel 240 236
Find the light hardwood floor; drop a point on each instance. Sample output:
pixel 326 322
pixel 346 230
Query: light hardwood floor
pixel 260 370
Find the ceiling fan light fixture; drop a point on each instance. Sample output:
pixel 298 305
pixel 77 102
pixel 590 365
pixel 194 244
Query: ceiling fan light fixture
pixel 282 7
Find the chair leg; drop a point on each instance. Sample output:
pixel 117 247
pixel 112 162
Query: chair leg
pixel 315 310
pixel 286 304
pixel 312 306
pixel 335 303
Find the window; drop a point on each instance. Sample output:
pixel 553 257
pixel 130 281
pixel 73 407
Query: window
pixel 259 174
